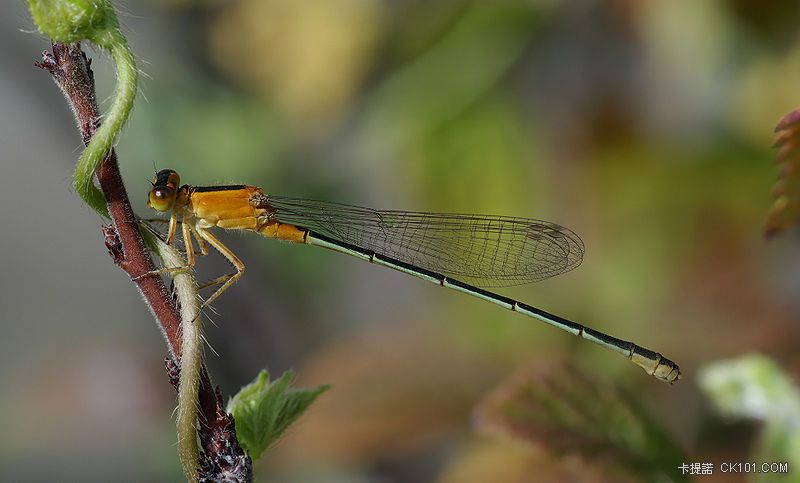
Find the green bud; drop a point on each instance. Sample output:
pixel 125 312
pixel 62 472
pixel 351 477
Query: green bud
pixel 71 21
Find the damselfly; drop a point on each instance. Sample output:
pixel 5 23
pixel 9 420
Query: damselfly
pixel 461 252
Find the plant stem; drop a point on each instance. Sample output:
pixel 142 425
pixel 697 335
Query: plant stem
pixel 70 68
pixel 191 353
pixel 105 135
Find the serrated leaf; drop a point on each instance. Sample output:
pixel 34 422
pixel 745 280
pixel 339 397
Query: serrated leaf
pixel 786 207
pixel 263 410
pixel 564 412
pixel 754 387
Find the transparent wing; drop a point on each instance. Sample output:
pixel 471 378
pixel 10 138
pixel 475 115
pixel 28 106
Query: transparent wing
pixel 483 250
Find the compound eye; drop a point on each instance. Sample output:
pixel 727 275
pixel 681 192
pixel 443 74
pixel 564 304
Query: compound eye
pixel 163 193
pixel 161 198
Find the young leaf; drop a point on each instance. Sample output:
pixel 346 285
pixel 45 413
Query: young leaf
pixel 786 207
pixel 263 410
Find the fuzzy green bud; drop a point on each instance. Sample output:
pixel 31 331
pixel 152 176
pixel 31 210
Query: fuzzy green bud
pixel 71 21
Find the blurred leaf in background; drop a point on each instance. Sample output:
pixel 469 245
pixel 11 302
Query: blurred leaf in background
pixel 562 411
pixel 754 387
pixel 464 63
pixel 309 60
pixel 786 208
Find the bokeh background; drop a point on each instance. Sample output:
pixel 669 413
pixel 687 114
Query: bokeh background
pixel 643 126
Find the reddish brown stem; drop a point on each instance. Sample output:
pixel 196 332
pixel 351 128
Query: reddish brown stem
pixel 71 70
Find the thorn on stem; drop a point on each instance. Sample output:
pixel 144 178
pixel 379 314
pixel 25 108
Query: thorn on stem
pixel 173 371
pixel 113 244
pixel 48 62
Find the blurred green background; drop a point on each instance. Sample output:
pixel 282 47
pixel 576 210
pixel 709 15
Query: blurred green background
pixel 643 126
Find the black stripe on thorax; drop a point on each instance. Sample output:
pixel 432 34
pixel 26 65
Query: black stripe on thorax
pixel 204 189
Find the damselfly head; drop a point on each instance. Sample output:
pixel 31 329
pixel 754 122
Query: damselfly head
pixel 165 189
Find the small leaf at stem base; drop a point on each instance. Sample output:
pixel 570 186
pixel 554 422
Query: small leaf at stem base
pixel 263 410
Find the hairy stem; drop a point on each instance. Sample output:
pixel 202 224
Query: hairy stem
pixel 105 136
pixel 191 353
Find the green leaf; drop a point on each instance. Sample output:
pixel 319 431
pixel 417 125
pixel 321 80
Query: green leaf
pixel 754 387
pixel 263 410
